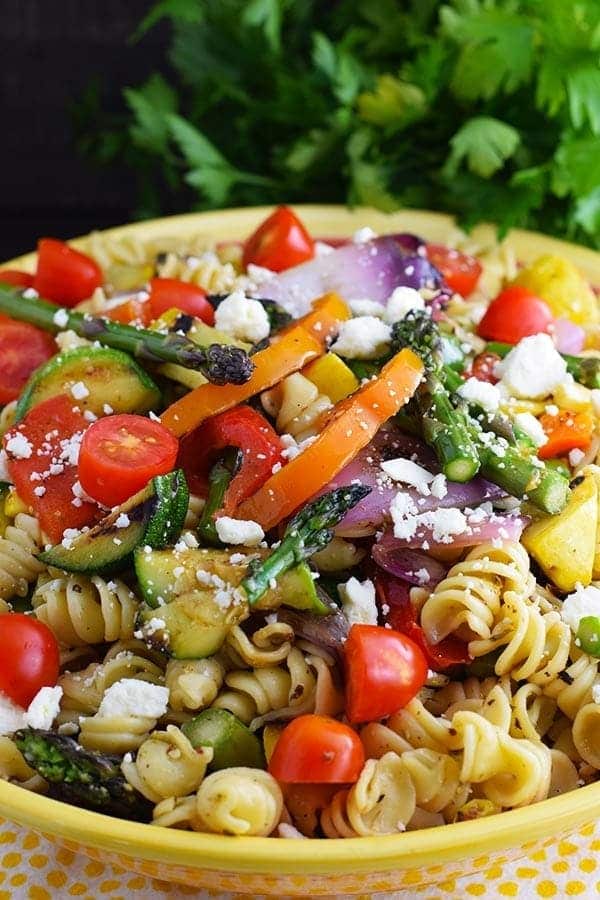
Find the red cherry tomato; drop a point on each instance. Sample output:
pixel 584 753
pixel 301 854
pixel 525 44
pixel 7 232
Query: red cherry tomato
pixel 120 454
pixel 280 242
pixel 242 427
pixel 514 314
pixel 65 275
pixel 166 293
pixel 384 670
pixel 23 348
pixel 483 367
pixel 461 272
pixel 317 750
pixel 16 278
pixel 400 613
pixel 48 428
pixel 29 659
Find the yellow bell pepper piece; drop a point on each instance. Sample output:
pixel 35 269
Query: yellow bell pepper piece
pixel 594 471
pixel 14 505
pixel 565 545
pixel 332 377
pixel 573 396
pixel 271 734
pixel 560 283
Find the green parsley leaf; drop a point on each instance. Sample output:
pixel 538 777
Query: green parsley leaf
pixel 485 143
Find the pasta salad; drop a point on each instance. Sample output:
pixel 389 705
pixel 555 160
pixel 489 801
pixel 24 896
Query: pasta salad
pixel 299 537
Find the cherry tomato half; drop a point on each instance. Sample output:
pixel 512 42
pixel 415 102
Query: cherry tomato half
pixel 280 242
pixel 166 293
pixel 120 454
pixel 23 348
pixel 16 278
pixel 514 314
pixel 65 275
pixel 384 670
pixel 29 659
pixel 317 750
pixel 460 271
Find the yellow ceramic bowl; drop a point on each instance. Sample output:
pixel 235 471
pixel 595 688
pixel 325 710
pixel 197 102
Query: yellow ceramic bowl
pixel 278 867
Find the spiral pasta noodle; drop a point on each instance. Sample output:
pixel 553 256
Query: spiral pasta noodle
pixel 19 566
pixel 268 646
pixel 83 610
pixel 115 734
pixel 585 734
pixel 467 602
pixel 166 765
pixel 206 271
pixel 573 688
pixel 193 683
pixel 297 405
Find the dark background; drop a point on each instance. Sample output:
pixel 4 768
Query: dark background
pixel 49 52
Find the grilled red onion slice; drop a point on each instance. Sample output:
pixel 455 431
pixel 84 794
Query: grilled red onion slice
pixel 370 270
pixel 411 566
pixel 481 528
pixel 368 515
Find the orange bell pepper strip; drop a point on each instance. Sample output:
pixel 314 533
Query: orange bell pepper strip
pixel 566 431
pixel 352 424
pixel 291 350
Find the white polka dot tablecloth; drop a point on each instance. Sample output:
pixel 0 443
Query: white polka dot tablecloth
pixel 32 868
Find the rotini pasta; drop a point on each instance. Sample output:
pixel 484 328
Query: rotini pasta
pixel 19 566
pixel 193 683
pixel 297 406
pixel 83 610
pixel 166 765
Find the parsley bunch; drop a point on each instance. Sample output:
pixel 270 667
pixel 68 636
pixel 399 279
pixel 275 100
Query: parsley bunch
pixel 489 109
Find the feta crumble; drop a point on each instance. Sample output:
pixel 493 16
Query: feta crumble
pixel 583 602
pixel 44 708
pixel 532 428
pixel 364 307
pixel 409 472
pixel 482 393
pixel 364 234
pixel 400 302
pixel 358 602
pixel 79 391
pixel 12 717
pixel 242 317
pixel 122 520
pixel 533 369
pixel 576 456
pixel 239 531
pixel 132 697
pixel 364 337
pixel 61 318
pixel 19 447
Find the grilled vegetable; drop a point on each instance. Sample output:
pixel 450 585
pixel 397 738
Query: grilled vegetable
pixel 219 364
pixel 153 517
pixel 232 742
pixel 85 779
pixel 111 378
pixel 308 532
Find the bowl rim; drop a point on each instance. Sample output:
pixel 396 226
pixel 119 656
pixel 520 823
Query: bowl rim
pixel 429 847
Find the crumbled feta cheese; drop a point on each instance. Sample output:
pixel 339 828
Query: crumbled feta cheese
pixel 89 416
pixel 12 717
pixel 69 535
pixel 439 486
pixel 482 393
pixel 79 390
pixel 400 302
pixel 323 249
pixel 358 602
pixel 583 602
pixel 108 410
pixel 364 337
pixel 61 318
pixel 364 307
pixel 363 235
pixel 446 523
pixel 242 317
pixel 533 369
pixel 18 446
pixel 153 626
pixel 259 274
pixel 532 428
pixel 132 697
pixel 237 559
pixel 122 520
pixel 552 409
pixel 39 491
pixel 44 708
pixel 576 456
pixel 409 472
pixel 239 531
